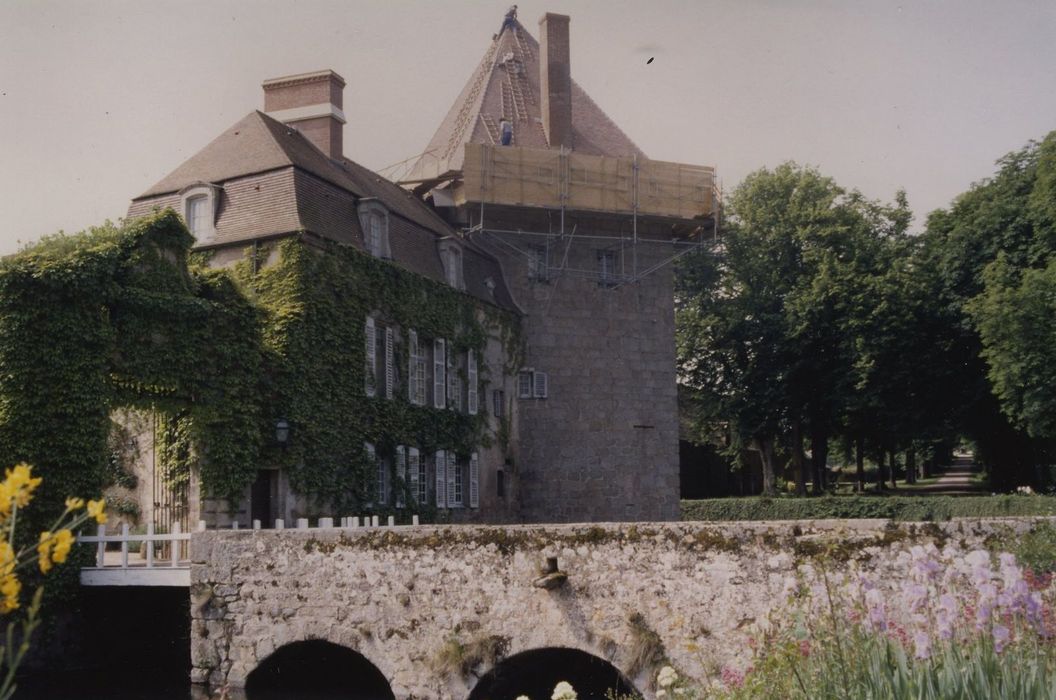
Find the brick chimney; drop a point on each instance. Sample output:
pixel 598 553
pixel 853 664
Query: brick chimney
pixel 311 103
pixel 555 79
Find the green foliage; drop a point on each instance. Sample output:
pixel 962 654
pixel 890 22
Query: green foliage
pixel 860 665
pixel 906 508
pixel 315 304
pixel 115 317
pixel 1036 550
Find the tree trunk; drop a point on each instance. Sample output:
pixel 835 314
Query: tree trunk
pixel 911 465
pixel 859 462
pixel 881 471
pixel 894 467
pixel 766 455
pixel 819 454
pixel 798 458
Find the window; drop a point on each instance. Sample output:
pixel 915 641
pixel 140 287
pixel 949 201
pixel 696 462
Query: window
pixel 198 215
pixel 374 220
pixel 539 384
pixel 532 384
pixel 417 483
pixel 451 257
pixel 390 369
pixel 471 379
pixel 199 204
pixel 537 263
pixel 370 362
pixel 474 481
pixel 607 268
pixel 498 400
pixel 401 474
pixel 500 483
pixel 454 481
pixel 439 374
pixel 415 371
pixel 441 479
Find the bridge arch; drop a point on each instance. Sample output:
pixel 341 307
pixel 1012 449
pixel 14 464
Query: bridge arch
pixel 535 673
pixel 317 669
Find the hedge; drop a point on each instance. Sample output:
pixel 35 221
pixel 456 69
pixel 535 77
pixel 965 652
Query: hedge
pixel 910 508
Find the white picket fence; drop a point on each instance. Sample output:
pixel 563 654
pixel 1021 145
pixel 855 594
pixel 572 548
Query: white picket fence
pixel 163 559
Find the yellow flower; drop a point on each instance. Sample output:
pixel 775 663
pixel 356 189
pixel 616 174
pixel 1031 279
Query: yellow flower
pixel 7 559
pixel 10 587
pixel 21 483
pixel 74 503
pixel 44 551
pixel 63 542
pixel 96 509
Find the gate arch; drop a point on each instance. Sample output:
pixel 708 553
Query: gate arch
pixel 317 669
pixel 535 673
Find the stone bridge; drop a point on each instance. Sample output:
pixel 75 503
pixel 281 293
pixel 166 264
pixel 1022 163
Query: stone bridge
pixel 468 612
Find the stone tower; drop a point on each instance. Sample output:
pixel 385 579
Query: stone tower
pixel 585 227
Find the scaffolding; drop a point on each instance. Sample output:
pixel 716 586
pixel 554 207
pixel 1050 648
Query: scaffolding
pixel 685 199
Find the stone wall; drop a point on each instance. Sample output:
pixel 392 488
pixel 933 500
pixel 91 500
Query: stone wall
pixel 603 445
pixel 397 596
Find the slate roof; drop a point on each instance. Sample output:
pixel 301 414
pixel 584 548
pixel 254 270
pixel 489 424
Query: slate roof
pixel 511 66
pixel 275 181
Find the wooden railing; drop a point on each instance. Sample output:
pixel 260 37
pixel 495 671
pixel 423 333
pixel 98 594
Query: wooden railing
pixel 163 559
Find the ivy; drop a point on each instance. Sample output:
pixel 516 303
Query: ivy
pixel 126 316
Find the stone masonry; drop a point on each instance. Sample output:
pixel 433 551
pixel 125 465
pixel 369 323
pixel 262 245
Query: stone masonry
pixel 397 595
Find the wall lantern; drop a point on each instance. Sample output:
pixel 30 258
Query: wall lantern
pixel 282 431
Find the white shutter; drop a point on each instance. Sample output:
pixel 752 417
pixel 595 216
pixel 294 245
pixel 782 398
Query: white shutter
pixel 370 363
pixel 441 479
pixel 474 481
pixel 454 383
pixel 369 449
pixel 390 379
pixel 401 472
pixel 412 366
pixel 415 480
pixel 439 374
pixel 471 374
pixel 539 384
pixel 524 385
pixel 454 481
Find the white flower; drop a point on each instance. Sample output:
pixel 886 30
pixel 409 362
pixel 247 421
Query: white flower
pixel 563 691
pixel 523 697
pixel 667 677
pixel 661 693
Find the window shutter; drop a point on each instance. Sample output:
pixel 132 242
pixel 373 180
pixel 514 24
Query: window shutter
pixel 371 357
pixel 412 366
pixel 390 379
pixel 414 475
pixel 454 383
pixel 471 391
pixel 474 481
pixel 441 479
pixel 369 449
pixel 439 374
pixel 539 379
pixel 401 473
pixel 524 385
pixel 454 481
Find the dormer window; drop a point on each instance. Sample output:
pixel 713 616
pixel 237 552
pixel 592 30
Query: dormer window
pixel 199 204
pixel 374 220
pixel 451 257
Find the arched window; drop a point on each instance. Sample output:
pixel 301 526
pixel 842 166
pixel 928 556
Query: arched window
pixel 374 220
pixel 199 204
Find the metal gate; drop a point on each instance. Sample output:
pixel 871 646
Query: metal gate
pixel 171 477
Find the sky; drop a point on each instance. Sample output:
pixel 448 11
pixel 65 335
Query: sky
pixel 100 99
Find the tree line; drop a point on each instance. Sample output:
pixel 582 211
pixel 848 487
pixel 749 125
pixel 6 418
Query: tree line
pixel 821 321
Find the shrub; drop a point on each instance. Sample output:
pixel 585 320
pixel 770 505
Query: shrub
pixel 910 508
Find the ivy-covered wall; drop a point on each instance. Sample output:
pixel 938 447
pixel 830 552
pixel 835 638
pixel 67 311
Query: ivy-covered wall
pixel 117 317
